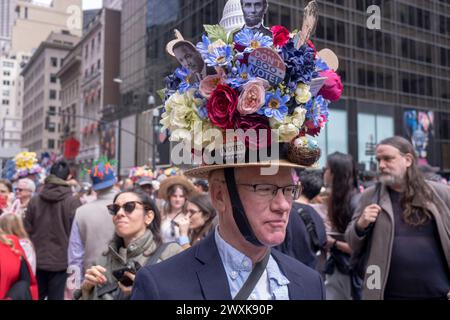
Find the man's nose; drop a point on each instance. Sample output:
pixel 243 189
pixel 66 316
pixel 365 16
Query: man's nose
pixel 280 203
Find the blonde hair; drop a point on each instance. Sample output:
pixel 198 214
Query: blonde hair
pixel 13 224
pixel 7 242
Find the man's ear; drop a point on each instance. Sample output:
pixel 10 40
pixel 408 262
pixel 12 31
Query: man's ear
pixel 217 191
pixel 409 160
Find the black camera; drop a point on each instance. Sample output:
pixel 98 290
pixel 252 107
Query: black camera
pixel 132 267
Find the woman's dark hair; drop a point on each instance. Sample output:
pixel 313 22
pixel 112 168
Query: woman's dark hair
pixel 149 205
pixel 312 183
pixel 416 187
pixel 203 202
pixel 7 184
pixel 343 187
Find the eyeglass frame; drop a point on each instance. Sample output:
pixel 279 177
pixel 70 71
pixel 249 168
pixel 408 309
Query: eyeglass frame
pixel 110 211
pixel 275 191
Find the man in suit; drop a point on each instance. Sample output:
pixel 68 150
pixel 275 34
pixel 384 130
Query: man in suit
pixel 189 58
pixel 254 12
pixel 253 212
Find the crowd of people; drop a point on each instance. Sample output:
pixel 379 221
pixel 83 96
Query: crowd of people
pixel 173 238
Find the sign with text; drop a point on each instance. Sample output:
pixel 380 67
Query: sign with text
pixel 267 64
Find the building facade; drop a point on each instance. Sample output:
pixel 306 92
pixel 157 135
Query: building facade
pixel 100 48
pixel 396 77
pixel 113 4
pixel 7 17
pixel 70 80
pixel 10 116
pixel 42 102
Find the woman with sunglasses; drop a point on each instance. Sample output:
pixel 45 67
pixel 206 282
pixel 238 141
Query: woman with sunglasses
pixel 199 221
pixel 136 243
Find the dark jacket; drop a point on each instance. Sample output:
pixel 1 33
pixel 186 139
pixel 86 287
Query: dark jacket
pixel 48 221
pixel 198 274
pixel 298 242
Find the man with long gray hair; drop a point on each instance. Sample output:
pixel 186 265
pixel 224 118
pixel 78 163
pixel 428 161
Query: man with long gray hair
pixel 401 228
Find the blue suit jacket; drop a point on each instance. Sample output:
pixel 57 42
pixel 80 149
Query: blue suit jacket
pixel 198 274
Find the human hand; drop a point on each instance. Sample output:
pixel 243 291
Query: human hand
pixel 94 276
pixel 369 216
pixel 127 290
pixel 183 222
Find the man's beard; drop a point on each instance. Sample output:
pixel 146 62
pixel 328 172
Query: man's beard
pixel 390 180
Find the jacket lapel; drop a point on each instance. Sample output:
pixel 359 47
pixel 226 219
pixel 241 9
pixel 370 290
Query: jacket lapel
pixel 211 273
pixel 295 286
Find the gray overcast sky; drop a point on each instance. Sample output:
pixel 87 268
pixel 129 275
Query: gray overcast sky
pixel 87 4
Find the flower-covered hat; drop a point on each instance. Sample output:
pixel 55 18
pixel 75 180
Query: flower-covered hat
pixel 278 87
pixel 102 174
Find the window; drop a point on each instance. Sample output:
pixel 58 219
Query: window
pixel 6 73
pixel 99 38
pixel 6 83
pixel 98 64
pixel 51 144
pixel 53 78
pixel 5 102
pixel 52 110
pixel 53 95
pixel 86 51
pixel 54 62
pixel 335 135
pixel 372 128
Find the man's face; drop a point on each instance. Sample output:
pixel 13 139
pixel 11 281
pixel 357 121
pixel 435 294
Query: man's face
pixel 392 165
pixel 189 58
pixel 267 215
pixel 254 11
pixel 23 193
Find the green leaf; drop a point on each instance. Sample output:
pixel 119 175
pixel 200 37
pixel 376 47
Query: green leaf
pixel 216 32
pixel 161 93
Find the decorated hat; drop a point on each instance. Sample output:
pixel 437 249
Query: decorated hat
pixel 102 174
pixel 279 85
pixel 138 173
pixel 172 181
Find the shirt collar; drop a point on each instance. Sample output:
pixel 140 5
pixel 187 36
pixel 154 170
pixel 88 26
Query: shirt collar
pixel 231 257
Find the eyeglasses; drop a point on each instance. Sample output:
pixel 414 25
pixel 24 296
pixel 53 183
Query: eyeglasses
pixel 269 191
pixel 20 190
pixel 127 207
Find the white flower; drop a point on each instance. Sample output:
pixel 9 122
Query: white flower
pixel 299 116
pixel 303 93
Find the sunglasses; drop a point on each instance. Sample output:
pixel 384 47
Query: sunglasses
pixel 127 207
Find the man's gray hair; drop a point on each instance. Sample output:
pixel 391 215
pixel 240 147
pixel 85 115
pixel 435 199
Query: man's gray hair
pixel 29 183
pixel 266 3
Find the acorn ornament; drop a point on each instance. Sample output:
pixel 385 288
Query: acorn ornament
pixel 304 151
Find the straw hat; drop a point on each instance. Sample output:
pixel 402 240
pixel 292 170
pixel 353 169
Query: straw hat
pixel 175 180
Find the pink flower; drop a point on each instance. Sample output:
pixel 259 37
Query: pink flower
pixel 210 83
pixel 222 106
pixel 332 89
pixel 253 96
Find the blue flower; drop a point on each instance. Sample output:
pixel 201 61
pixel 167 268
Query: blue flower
pixel 242 76
pixel 252 40
pixel 183 75
pixel 316 110
pixel 275 106
pixel 220 57
pixel 203 47
pixel 321 65
pixel 203 112
pixel 300 64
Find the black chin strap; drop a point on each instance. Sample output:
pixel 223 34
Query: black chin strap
pixel 238 209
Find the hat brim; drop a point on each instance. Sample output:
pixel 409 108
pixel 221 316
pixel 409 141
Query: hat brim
pixel 175 180
pixel 203 172
pixel 104 184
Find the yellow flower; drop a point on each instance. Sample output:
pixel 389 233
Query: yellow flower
pixel 303 93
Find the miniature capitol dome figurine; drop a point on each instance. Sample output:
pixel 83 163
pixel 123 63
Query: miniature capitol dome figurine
pixel 233 18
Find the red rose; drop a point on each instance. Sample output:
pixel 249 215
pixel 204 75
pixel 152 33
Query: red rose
pixel 256 122
pixel 222 106
pixel 311 45
pixel 281 36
